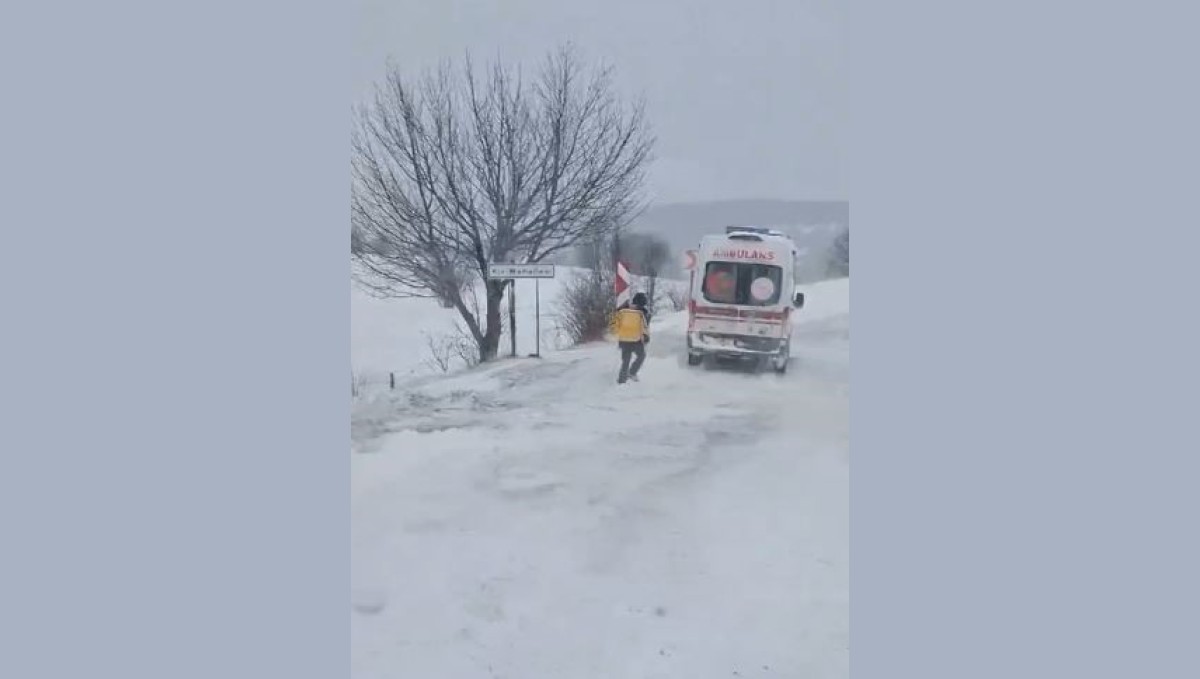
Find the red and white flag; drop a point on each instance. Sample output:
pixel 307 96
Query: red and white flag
pixel 621 283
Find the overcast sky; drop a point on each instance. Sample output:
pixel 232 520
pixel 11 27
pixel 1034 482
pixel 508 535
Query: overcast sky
pixel 747 97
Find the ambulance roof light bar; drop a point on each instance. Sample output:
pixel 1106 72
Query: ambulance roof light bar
pixel 749 232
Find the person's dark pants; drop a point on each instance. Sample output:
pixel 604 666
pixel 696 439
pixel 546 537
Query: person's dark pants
pixel 629 350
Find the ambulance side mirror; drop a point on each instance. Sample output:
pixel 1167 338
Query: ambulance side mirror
pixel 798 300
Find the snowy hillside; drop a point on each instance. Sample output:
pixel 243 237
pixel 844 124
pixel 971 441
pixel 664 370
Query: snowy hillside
pixel 532 519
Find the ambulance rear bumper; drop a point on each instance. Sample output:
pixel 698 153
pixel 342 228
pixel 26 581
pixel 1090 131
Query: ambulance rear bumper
pixel 733 346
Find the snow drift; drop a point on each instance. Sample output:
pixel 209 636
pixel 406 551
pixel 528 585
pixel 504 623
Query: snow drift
pixel 533 519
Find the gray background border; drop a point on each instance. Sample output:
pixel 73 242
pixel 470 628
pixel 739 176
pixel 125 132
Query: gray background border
pixel 173 484
pixel 174 491
pixel 1024 467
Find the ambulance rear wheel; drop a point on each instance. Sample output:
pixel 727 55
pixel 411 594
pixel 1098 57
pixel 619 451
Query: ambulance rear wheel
pixel 781 362
pixel 695 359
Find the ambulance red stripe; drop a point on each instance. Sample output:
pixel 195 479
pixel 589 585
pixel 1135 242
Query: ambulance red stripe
pixel 749 314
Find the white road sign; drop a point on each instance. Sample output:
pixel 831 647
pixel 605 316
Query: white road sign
pixel 505 271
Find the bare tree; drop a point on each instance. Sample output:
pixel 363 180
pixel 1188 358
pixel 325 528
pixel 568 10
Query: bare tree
pixel 646 255
pixel 468 167
pixel 838 262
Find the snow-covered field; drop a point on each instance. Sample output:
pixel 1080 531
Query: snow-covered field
pixel 533 519
pixel 393 335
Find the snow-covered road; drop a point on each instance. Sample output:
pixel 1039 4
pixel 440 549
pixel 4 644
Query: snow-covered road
pixel 534 519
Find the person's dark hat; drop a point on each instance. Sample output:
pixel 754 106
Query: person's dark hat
pixel 640 299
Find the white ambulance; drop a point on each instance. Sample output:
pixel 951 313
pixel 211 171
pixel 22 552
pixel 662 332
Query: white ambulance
pixel 742 294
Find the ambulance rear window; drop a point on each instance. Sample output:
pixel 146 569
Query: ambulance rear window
pixel 742 283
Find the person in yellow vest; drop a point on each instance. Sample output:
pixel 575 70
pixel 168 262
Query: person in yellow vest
pixel 631 324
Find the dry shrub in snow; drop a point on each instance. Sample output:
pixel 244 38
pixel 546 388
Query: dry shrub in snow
pixel 445 351
pixel 586 304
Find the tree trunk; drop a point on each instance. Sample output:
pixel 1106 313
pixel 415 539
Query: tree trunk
pixel 489 347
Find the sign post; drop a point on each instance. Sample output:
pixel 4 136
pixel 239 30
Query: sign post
pixel 512 316
pixel 511 272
